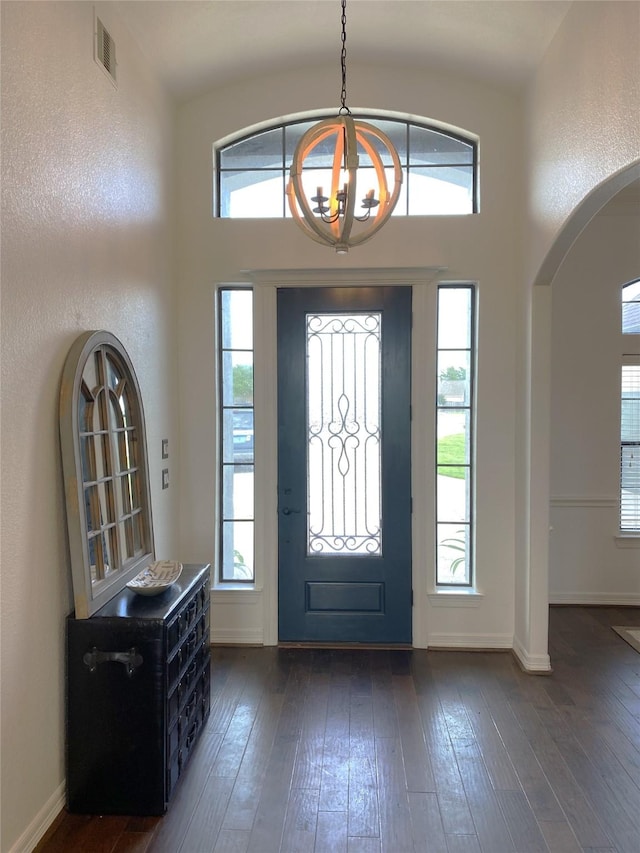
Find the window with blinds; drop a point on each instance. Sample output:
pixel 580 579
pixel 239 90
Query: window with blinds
pixel 630 410
pixel 630 447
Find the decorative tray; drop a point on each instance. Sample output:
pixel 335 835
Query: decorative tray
pixel 156 578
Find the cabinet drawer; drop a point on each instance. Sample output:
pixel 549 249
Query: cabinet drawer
pixel 181 691
pixel 186 731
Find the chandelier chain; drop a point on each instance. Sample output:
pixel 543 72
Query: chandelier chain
pixel 344 109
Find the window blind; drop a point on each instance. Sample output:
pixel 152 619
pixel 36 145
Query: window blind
pixel 630 448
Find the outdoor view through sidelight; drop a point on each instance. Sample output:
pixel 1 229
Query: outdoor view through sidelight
pixel 454 435
pixel 235 350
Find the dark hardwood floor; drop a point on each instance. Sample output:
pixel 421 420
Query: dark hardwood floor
pixel 390 751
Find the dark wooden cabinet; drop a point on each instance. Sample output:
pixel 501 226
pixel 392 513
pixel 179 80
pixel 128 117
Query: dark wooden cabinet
pixel 138 675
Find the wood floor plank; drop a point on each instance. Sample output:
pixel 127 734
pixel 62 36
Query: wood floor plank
pixel 576 806
pixel 521 822
pixel 395 815
pixel 417 762
pixel 615 808
pixel 490 824
pixel 531 776
pixel 385 719
pixel 207 820
pixel 363 845
pixel 456 815
pixel 133 842
pixel 301 820
pixel 426 822
pixel 328 750
pixel 268 824
pixel 334 784
pixel 232 841
pixel 173 827
pixel 331 832
pixel 463 844
pixel 363 805
pixel 559 837
pixel 494 752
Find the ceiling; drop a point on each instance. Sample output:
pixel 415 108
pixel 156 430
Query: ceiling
pixel 194 45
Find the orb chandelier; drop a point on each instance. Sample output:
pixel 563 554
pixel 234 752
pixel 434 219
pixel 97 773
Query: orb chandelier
pixel 339 163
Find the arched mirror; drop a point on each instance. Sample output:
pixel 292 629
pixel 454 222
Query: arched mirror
pixel 104 461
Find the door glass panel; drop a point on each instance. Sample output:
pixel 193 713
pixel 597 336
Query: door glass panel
pixel 343 434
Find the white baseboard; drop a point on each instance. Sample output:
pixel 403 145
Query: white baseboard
pixel 531 663
pixel 237 636
pixel 470 641
pixel 613 599
pixel 41 822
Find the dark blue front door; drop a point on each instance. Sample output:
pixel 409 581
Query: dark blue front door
pixel 344 464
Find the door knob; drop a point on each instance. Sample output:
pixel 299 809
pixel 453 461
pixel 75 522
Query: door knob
pixel 287 510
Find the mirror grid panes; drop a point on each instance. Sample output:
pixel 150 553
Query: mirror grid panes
pixel 454 435
pixel 236 470
pixel 113 501
pixel 104 461
pixel 343 434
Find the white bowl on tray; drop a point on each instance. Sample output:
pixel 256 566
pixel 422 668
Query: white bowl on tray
pixel 156 578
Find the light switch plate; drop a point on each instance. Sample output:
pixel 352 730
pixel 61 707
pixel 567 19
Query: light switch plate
pixel 165 478
pixel 165 448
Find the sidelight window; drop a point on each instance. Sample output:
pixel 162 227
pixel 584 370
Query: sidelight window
pixel 236 434
pixel 454 435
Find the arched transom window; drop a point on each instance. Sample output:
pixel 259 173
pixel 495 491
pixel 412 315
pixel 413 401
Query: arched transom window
pixel 439 170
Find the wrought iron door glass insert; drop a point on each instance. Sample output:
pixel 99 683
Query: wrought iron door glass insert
pixel 343 429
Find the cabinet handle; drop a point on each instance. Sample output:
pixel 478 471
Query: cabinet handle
pixel 130 659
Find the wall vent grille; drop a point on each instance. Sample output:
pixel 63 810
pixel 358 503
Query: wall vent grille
pixel 105 51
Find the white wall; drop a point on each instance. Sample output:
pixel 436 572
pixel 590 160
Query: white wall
pixel 86 244
pixel 582 139
pixel 587 562
pixel 583 124
pixel 484 248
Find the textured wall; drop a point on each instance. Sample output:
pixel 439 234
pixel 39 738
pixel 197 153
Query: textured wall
pixel 85 245
pixel 583 121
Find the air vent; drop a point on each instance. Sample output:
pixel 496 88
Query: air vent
pixel 105 50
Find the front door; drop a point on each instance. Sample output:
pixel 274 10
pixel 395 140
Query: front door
pixel 344 464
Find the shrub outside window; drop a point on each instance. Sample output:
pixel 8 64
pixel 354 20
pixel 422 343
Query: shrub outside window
pixel 454 435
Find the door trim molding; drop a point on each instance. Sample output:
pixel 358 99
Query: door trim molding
pixel 423 427
pixel 353 277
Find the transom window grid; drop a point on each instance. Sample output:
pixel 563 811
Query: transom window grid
pixel 236 418
pixel 439 170
pixel 455 405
